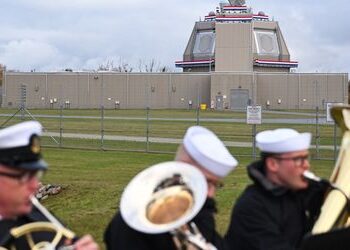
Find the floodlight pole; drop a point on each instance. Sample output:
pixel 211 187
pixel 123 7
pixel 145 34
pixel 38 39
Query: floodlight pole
pixel 23 110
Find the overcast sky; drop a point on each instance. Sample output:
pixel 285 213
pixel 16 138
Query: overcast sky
pixel 50 35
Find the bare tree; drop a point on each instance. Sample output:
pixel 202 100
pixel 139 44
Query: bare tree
pixel 2 69
pixel 143 66
pixel 164 69
pixel 152 66
pixel 121 67
pixel 107 66
pixel 140 65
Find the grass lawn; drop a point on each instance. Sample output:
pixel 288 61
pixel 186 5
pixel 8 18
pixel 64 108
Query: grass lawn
pixel 94 180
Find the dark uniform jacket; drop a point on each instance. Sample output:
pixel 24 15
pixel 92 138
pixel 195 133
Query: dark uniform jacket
pixel 270 217
pixel 5 225
pixel 119 235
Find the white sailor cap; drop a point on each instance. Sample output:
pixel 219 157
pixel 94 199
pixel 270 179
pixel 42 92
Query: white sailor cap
pixel 20 146
pixel 209 151
pixel 282 140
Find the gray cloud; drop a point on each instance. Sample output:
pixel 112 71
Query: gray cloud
pixel 53 35
pixel 316 32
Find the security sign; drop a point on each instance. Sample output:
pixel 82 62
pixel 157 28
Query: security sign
pixel 253 114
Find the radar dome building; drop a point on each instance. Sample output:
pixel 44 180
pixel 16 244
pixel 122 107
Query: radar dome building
pixel 235 57
pixel 234 38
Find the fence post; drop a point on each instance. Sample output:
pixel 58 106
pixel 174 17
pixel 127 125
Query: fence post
pixel 197 115
pixel 317 134
pixel 254 142
pixel 147 129
pixel 61 128
pixel 102 126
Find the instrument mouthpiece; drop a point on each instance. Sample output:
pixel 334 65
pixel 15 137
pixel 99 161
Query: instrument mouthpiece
pixel 311 176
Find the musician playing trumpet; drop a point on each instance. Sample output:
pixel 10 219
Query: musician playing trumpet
pixel 281 206
pixel 202 149
pixel 21 167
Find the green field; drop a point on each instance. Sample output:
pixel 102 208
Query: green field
pixel 94 180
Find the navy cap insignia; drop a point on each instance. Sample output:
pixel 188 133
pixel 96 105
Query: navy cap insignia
pixel 35 145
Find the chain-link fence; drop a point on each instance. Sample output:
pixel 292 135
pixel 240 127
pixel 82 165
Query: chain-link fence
pixel 161 130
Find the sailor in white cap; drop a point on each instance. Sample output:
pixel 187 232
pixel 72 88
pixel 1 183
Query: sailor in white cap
pixel 21 166
pixel 204 150
pixel 280 207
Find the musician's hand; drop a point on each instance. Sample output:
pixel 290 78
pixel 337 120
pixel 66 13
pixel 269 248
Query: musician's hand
pixel 86 243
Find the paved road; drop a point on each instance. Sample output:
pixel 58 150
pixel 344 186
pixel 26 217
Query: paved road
pixel 292 113
pixel 152 139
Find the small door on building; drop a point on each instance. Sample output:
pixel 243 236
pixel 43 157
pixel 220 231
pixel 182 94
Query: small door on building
pixel 239 98
pixel 219 102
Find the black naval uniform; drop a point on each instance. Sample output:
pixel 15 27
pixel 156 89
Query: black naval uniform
pixel 120 236
pixel 271 217
pixel 6 225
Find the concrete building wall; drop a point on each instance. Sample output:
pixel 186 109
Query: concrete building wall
pixel 158 88
pixel 233 50
pixel 278 91
pixel 83 88
pixel 113 89
pixel 281 91
pixel 35 86
pixel 175 90
pixel 91 90
pixel 224 83
pixel 271 69
pixel 63 88
pixel 301 91
pixel 284 56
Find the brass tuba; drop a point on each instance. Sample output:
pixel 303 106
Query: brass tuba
pixel 165 198
pixel 335 211
pixel 53 226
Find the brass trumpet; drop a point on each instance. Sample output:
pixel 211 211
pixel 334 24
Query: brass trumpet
pixel 53 226
pixel 335 210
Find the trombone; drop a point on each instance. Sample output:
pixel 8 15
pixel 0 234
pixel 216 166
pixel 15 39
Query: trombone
pixel 52 225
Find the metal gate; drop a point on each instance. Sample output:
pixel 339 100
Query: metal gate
pixel 219 102
pixel 239 98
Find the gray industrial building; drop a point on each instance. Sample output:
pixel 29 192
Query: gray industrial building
pixel 233 58
pixel 220 90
